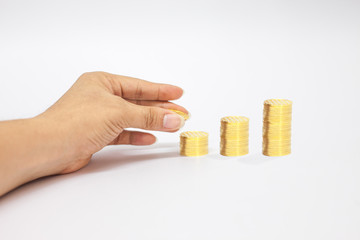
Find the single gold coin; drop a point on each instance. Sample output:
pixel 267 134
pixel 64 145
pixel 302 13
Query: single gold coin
pixel 234 136
pixel 184 115
pixel 277 116
pixel 194 143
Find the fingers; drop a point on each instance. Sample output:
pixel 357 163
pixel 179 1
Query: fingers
pixel 134 88
pixel 150 118
pixel 134 138
pixel 162 104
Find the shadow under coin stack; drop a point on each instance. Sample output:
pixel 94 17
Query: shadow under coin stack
pixel 277 127
pixel 193 143
pixel 234 135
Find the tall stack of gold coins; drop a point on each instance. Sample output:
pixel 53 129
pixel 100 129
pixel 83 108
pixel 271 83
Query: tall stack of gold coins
pixel 234 136
pixel 193 143
pixel 277 127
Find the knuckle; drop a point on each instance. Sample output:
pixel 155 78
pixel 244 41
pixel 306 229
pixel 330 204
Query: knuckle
pixel 150 118
pixel 97 79
pixel 87 75
pixel 93 76
pixel 138 91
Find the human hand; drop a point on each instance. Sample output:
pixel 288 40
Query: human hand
pixel 98 108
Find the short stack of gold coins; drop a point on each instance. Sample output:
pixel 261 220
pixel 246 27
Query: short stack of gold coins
pixel 193 143
pixel 234 136
pixel 277 127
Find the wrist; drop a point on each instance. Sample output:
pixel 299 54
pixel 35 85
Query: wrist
pixel 54 150
pixel 41 149
pixel 27 152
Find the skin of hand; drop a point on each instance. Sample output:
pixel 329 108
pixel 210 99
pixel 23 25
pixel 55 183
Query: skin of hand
pixel 93 113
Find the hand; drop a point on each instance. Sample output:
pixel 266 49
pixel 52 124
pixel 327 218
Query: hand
pixel 92 114
pixel 99 106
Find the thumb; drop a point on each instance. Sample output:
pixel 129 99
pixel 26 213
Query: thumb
pixel 151 118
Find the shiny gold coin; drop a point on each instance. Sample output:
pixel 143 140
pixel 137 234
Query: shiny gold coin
pixel 194 143
pixel 277 102
pixel 277 127
pixel 184 115
pixel 234 136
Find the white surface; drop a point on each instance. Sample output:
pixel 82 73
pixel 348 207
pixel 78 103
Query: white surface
pixel 229 56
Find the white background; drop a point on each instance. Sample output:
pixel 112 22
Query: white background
pixel 229 56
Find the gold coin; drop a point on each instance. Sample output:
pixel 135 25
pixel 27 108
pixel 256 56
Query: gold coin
pixel 193 143
pixel 184 115
pixel 234 136
pixel 277 127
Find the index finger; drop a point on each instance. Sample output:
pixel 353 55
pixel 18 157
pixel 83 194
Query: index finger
pixel 138 89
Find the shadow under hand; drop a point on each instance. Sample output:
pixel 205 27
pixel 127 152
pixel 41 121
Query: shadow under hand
pixel 115 158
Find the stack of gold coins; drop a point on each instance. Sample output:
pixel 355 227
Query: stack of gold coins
pixel 234 136
pixel 193 143
pixel 277 127
pixel 184 115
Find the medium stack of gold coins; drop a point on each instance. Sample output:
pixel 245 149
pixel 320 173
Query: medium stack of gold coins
pixel 277 127
pixel 234 136
pixel 193 143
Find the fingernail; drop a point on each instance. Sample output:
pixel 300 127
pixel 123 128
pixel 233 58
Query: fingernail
pixel 173 121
